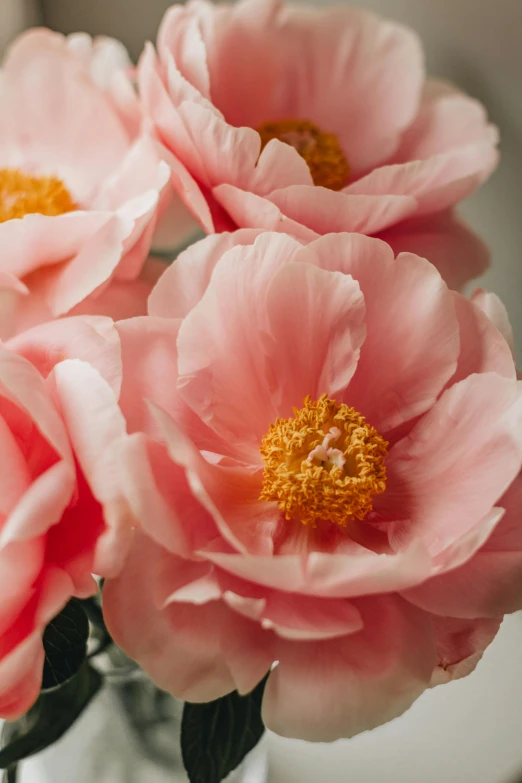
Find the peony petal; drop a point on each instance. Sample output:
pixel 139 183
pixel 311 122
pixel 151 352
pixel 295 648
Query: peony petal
pixel 149 353
pixel 317 352
pixel 446 241
pixel 457 461
pixel 23 385
pixel 250 211
pixel 229 493
pixel 42 504
pixel 355 683
pixel 21 677
pixel 91 338
pixel 222 345
pixel 408 307
pixel 437 183
pixel 447 119
pixel 16 480
pixel 65 286
pixel 327 211
pixel 184 282
pixel 178 646
pixel 490 583
pixel 326 575
pixel 493 307
pixel 94 421
pixel 460 646
pixel 122 299
pixel 53 104
pixel 375 65
pixel 161 499
pixel 483 348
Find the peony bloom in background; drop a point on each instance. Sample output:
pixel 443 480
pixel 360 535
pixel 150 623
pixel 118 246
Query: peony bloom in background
pixel 310 121
pixel 81 184
pixel 323 459
pixel 62 515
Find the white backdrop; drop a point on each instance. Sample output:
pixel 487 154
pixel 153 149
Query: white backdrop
pixel 470 731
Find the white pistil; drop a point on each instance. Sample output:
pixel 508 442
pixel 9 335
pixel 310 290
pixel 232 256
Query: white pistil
pixel 327 456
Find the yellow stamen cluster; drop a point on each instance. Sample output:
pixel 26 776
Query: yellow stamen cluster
pixel 23 194
pixel 322 151
pixel 324 463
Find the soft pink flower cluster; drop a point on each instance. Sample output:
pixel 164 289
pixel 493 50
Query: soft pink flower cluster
pixel 298 449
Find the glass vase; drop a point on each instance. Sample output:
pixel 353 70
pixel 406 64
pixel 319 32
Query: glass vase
pixel 130 733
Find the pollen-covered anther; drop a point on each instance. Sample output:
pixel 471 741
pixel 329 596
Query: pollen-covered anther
pixel 25 194
pixel 321 151
pixel 324 463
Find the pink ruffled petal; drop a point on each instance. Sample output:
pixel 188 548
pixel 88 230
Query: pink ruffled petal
pixel 94 423
pixel 178 646
pixel 231 355
pixel 21 677
pixel 437 183
pixel 248 210
pixel 318 351
pixel 460 646
pixel 65 286
pixel 149 352
pixel 279 166
pixel 475 429
pixel 490 583
pixel 229 493
pixel 229 154
pixel 292 617
pixel 91 338
pixel 408 308
pixel 134 191
pixel 494 309
pixel 447 242
pixel 321 356
pixel 22 384
pixel 327 211
pixel 183 284
pixel 447 119
pixel 189 191
pixel 161 499
pixel 328 575
pixel 42 505
pixel 109 66
pixel 180 34
pixel 123 299
pixel 53 105
pixel 298 618
pixel 355 683
pixel 38 240
pixel 483 348
pixel 16 480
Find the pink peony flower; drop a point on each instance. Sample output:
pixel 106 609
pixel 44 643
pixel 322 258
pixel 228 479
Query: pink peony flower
pixel 310 121
pixel 323 462
pixel 62 516
pixel 80 183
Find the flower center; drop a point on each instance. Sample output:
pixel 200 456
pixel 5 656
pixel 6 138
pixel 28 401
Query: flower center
pixel 326 462
pixel 23 194
pixel 322 151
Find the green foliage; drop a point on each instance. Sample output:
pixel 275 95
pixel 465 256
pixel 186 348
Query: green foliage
pixel 65 644
pixel 216 737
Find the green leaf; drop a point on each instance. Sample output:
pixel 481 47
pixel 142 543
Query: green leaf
pixel 65 644
pixel 216 737
pixel 11 774
pixel 54 712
